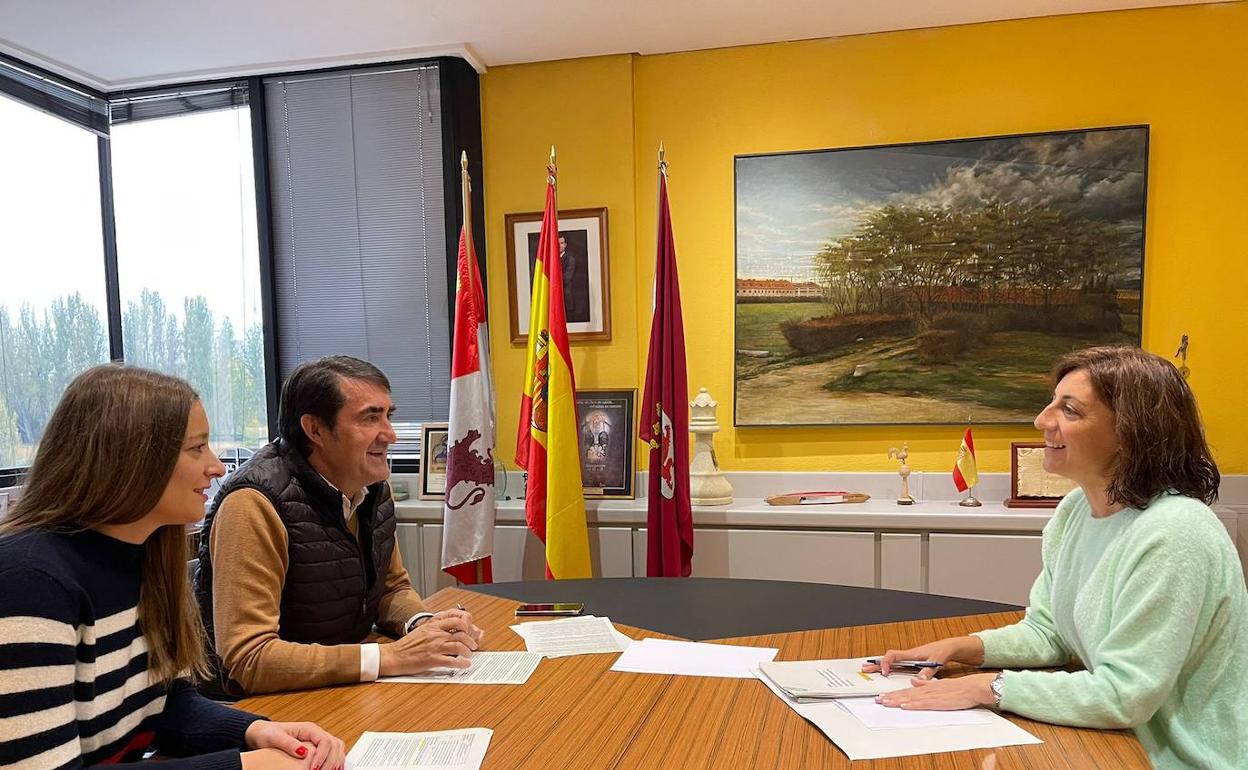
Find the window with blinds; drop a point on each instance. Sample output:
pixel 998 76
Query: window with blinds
pixel 359 238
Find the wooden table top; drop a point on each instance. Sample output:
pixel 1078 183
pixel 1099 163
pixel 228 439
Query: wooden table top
pixel 575 713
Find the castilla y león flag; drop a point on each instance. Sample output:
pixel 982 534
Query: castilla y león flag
pixel 468 513
pixel 965 473
pixel 547 441
pixel 665 416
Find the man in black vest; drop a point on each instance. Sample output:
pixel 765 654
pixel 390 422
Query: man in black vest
pixel 298 560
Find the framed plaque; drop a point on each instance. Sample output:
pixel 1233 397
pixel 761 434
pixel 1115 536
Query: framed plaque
pixel 1031 486
pixel 608 431
pixel 433 448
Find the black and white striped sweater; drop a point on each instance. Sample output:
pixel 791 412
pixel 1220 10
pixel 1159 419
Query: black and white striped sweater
pixel 74 681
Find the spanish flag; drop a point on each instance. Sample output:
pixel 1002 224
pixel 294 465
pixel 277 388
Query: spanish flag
pixel 965 474
pixel 547 441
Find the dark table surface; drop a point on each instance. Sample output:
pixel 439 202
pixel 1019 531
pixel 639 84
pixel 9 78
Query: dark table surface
pixel 722 608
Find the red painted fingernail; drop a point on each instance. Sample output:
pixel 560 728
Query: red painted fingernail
pixel 302 751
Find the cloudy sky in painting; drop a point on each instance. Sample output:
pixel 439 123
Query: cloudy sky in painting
pixel 789 206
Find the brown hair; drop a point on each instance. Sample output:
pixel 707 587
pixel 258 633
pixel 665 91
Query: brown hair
pixel 1161 441
pixel 315 388
pixel 80 481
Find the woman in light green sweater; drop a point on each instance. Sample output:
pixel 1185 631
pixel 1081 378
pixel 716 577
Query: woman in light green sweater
pixel 1140 583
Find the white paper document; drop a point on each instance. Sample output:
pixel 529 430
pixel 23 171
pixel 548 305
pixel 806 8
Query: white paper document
pixel 486 668
pixel 665 656
pixel 827 679
pixel 571 636
pixel 445 750
pixel 904 737
pixel 880 717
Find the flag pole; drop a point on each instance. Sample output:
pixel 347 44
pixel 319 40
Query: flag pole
pixel 465 187
pixel 970 501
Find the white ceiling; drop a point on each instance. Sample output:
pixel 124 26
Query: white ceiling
pixel 115 44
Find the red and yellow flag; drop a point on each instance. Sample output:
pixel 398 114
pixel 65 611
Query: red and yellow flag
pixel 547 441
pixel 965 474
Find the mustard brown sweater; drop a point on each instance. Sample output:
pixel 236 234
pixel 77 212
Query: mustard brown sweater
pixel 248 545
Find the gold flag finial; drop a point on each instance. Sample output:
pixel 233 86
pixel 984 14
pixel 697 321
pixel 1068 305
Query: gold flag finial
pixel 550 169
pixel 552 155
pixel 463 160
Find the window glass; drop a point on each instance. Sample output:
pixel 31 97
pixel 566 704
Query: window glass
pixel 53 322
pixel 189 266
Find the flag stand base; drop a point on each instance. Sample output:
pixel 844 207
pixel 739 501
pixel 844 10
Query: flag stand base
pixel 970 502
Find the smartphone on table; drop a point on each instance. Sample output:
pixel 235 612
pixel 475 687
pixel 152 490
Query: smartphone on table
pixel 553 608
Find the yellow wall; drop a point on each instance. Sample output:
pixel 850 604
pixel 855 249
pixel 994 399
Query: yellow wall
pixel 1183 71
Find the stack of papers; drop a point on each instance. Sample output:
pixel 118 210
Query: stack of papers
pixel 665 656
pixel 446 750
pixel 571 636
pixel 811 680
pixel 864 729
pixel 486 668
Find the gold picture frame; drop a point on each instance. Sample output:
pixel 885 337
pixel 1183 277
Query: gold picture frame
pixel 587 279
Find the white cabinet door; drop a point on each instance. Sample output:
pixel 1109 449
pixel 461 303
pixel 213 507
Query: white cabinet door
pixel 519 555
pixel 999 568
pixel 901 561
pixel 431 560
pixel 846 558
pixel 408 538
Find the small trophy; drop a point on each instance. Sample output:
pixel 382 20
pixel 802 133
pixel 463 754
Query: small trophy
pixel 901 454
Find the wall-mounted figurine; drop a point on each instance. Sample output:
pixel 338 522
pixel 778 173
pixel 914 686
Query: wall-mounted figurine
pixel 1181 354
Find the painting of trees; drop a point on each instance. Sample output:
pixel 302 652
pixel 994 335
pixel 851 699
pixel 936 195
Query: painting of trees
pixel 949 275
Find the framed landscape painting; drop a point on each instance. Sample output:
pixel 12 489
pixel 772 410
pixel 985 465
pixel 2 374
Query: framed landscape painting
pixel 932 283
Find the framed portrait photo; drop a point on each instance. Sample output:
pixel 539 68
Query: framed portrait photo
pixel 607 432
pixel 583 258
pixel 433 449
pixel 1031 486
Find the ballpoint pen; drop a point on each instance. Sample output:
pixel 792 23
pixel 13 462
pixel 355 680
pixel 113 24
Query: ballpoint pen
pixel 908 664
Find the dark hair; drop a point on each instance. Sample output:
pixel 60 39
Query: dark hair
pixel 1161 441
pixel 314 388
pixel 79 481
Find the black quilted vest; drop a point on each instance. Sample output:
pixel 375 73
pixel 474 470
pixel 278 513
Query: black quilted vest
pixel 333 583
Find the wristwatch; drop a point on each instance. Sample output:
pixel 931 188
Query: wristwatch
pixel 997 685
pixel 415 621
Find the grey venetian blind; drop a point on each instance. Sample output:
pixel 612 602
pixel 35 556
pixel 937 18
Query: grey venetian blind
pixel 360 256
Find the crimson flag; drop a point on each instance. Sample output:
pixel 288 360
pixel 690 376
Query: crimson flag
pixel 665 415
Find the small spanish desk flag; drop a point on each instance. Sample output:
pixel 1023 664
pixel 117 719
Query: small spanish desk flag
pixel 965 474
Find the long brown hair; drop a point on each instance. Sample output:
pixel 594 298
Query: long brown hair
pixel 1161 443
pixel 106 456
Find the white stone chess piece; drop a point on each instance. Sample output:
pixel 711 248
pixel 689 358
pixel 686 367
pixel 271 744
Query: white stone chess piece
pixel 707 484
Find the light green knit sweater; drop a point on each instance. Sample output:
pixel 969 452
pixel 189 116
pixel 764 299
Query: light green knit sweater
pixel 1153 603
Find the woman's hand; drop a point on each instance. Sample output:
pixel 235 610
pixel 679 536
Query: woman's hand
pixel 963 692
pixel 294 739
pixel 957 649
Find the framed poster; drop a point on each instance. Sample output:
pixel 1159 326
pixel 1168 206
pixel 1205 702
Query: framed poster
pixel 583 258
pixel 433 450
pixel 607 431
pixel 936 282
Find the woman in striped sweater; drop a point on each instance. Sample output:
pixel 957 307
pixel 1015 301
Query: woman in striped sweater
pixel 99 637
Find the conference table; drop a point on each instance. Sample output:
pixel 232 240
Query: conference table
pixel 576 713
